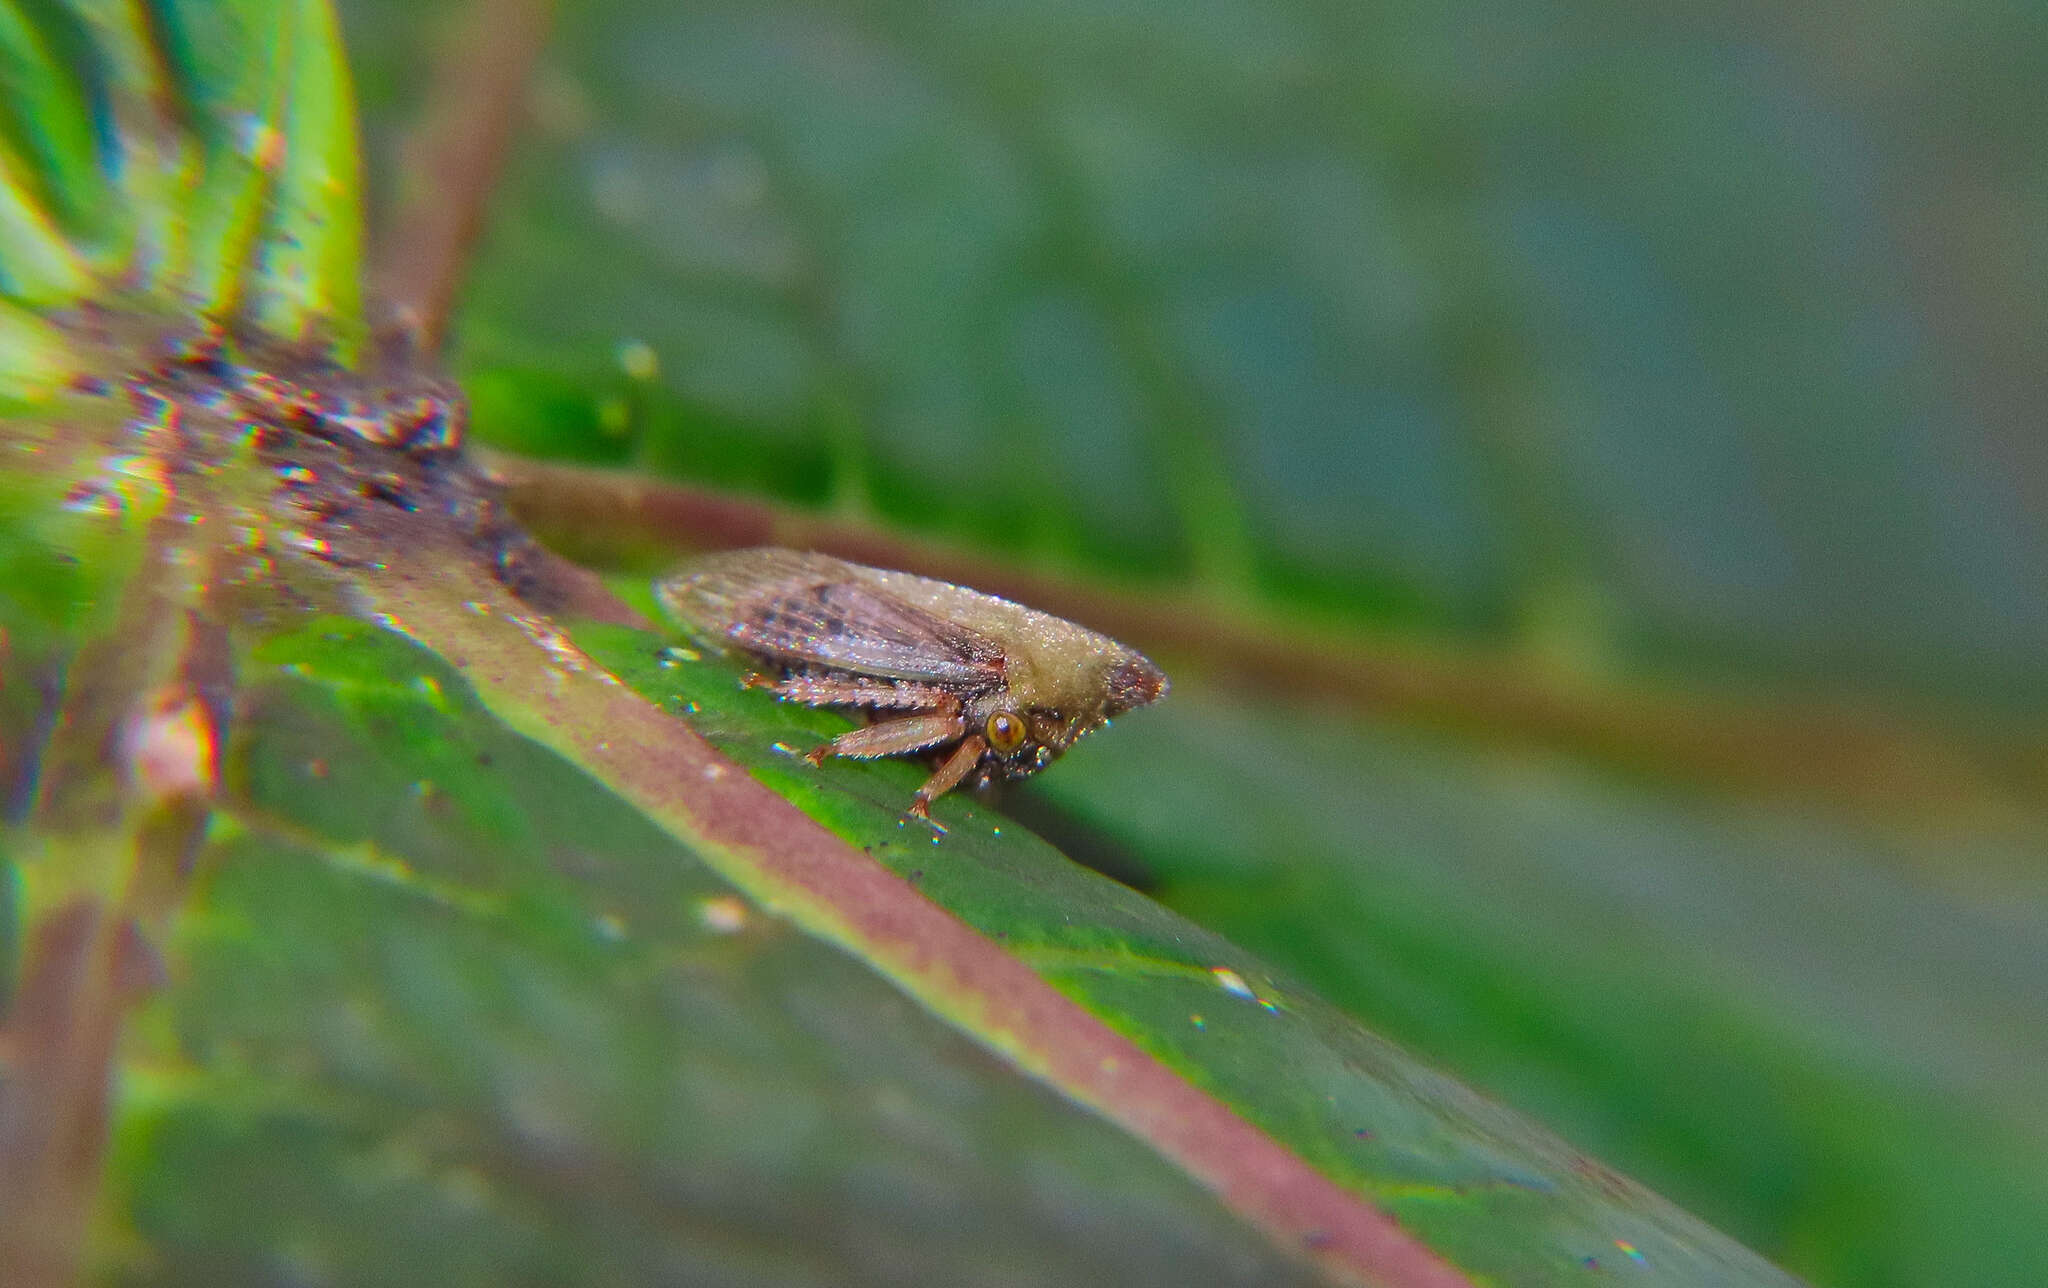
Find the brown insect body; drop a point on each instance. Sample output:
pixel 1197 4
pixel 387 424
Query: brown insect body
pixel 1000 688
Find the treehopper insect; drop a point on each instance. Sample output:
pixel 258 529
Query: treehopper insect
pixel 988 688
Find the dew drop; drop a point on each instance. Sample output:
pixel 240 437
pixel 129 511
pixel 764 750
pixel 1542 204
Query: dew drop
pixel 638 360
pixel 725 914
pixel 1233 983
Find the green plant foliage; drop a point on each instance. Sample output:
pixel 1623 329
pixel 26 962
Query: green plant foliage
pixel 374 982
pixel 371 912
pixel 419 1001
pixel 450 1012
pixel 412 995
pixel 1635 341
pixel 1501 1198
pixel 1641 333
pixel 1766 1010
pixel 203 152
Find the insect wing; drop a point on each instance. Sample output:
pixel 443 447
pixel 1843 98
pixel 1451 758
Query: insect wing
pixel 848 626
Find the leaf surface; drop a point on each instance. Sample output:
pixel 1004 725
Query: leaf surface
pixel 373 910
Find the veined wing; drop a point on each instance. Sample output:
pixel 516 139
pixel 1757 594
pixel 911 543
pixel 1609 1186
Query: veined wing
pixel 805 609
pixel 847 625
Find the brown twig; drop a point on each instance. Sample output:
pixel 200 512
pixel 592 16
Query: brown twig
pixel 1789 745
pixel 449 164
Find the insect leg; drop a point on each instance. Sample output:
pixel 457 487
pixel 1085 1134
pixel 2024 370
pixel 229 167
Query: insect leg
pixel 948 775
pixel 892 737
pixel 823 691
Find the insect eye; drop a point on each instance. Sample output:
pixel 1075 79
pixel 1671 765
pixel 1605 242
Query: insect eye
pixel 1005 731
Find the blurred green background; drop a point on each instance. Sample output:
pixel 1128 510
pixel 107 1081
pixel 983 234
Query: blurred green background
pixel 1693 351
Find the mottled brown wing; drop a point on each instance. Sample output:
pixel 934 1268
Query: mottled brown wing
pixel 849 626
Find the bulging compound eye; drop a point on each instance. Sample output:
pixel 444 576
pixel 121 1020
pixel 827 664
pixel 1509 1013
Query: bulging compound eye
pixel 1005 731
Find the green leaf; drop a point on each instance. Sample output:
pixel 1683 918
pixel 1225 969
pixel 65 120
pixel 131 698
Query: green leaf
pixel 36 357
pixel 308 276
pixel 273 227
pixel 1552 373
pixel 419 999
pixel 1497 1195
pixel 205 151
pixel 1331 307
pixel 1761 1006
pixel 532 1036
pixel 499 915
pixel 39 266
pixel 368 869
pixel 46 117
